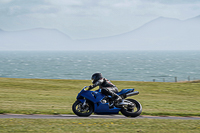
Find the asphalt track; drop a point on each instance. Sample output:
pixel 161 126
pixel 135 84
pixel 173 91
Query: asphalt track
pixel 65 116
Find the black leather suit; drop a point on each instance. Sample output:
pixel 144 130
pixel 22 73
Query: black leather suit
pixel 107 88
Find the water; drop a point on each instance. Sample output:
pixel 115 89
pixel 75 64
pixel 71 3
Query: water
pixel 115 65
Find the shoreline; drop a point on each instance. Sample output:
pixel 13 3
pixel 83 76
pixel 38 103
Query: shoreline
pixel 191 81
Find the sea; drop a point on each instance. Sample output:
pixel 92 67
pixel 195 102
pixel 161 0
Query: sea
pixel 158 66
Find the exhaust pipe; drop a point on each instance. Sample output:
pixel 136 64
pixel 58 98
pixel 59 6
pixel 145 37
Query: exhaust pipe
pixel 132 94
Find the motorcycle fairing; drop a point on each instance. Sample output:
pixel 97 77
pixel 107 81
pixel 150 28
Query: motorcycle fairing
pixel 87 94
pixel 124 91
pixel 103 108
pixel 96 97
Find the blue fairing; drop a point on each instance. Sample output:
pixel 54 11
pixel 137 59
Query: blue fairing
pixel 87 94
pixel 103 108
pixel 124 91
pixel 96 97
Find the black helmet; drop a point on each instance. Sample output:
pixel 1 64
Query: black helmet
pixel 95 77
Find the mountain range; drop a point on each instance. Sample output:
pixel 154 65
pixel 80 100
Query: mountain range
pixel 158 34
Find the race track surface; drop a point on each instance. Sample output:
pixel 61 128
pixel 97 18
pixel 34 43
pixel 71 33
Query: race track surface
pixel 65 116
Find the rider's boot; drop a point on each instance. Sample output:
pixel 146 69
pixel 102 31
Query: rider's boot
pixel 117 98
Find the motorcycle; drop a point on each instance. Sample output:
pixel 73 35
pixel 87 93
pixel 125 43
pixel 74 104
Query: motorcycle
pixel 94 101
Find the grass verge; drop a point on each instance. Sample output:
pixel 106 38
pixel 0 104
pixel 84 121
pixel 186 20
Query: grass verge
pixel 99 125
pixel 53 96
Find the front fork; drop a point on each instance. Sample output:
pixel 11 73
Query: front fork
pixel 84 103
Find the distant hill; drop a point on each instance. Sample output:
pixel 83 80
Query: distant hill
pixel 35 39
pixel 197 18
pixel 158 34
pixel 1 30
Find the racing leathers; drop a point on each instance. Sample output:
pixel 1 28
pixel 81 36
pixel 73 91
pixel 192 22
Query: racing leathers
pixel 107 88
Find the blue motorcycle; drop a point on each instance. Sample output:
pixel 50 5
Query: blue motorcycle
pixel 94 101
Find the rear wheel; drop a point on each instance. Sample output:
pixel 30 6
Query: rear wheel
pixel 81 110
pixel 133 110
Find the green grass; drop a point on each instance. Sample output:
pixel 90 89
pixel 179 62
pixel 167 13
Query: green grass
pixel 99 125
pixel 53 96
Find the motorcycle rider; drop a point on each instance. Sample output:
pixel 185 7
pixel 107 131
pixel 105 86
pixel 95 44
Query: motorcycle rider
pixel 107 88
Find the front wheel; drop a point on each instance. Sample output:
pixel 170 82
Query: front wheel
pixel 133 110
pixel 81 110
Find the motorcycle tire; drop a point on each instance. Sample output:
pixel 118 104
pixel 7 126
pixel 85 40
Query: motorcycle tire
pixel 80 111
pixel 132 112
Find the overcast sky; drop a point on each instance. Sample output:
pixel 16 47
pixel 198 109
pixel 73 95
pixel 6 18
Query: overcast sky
pixel 91 18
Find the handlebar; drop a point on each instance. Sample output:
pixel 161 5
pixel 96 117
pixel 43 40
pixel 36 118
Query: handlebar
pixel 84 88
